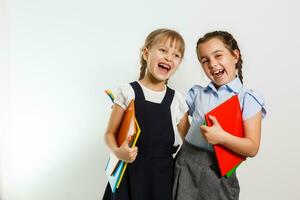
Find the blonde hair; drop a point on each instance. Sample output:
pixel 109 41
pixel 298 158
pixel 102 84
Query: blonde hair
pixel 156 37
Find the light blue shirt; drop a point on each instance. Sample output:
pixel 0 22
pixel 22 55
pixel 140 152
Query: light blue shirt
pixel 203 99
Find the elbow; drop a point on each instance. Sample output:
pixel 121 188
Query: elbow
pixel 253 152
pixel 106 138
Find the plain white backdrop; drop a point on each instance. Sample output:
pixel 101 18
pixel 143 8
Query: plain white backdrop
pixel 58 57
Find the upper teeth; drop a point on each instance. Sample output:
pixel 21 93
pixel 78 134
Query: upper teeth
pixel 164 65
pixel 218 71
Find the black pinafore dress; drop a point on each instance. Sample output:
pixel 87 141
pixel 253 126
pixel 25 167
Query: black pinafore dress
pixel 150 176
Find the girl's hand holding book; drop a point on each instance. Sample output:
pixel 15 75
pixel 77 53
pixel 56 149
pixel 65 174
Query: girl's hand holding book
pixel 214 134
pixel 126 153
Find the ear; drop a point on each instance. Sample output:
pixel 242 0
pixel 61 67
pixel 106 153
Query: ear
pixel 236 55
pixel 145 53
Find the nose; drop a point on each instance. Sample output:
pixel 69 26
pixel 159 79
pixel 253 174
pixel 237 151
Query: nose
pixel 213 64
pixel 168 56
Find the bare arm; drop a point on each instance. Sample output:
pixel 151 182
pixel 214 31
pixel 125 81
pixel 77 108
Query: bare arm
pixel 114 122
pixel 183 126
pixel 249 145
pixel 124 152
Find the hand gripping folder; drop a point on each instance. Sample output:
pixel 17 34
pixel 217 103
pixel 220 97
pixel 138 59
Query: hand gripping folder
pixel 229 116
pixel 115 168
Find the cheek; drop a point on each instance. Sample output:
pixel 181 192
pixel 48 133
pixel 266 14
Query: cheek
pixel 177 62
pixel 205 69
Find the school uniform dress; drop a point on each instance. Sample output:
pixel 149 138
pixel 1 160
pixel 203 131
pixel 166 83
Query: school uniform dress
pixel 197 175
pixel 150 176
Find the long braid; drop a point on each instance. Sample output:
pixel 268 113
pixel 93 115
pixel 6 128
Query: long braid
pixel 239 68
pixel 142 68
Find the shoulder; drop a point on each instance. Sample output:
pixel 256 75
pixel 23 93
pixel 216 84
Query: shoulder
pixel 191 96
pixel 179 106
pixel 254 101
pixel 193 92
pixel 255 95
pixel 179 98
pixel 195 89
pixel 126 88
pixel 124 95
pixel 179 95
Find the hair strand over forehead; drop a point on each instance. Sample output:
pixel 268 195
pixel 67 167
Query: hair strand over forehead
pixel 159 36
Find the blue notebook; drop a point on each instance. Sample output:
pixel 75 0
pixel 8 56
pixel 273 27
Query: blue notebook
pixel 114 177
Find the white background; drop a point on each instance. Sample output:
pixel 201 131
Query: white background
pixel 57 57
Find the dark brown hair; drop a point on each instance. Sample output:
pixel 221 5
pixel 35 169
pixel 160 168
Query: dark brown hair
pixel 229 42
pixel 158 36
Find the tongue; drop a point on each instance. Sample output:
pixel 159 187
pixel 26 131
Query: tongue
pixel 163 69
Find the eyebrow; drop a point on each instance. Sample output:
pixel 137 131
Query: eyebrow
pixel 217 51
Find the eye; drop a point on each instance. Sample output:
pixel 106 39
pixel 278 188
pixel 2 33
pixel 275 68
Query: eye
pixel 177 55
pixel 162 50
pixel 203 61
pixel 218 55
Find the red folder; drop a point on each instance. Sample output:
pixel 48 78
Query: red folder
pixel 229 116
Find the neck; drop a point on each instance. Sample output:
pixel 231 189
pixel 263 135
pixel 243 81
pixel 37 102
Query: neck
pixel 217 86
pixel 153 84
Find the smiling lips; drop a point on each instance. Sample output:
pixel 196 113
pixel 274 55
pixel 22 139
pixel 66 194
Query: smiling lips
pixel 218 73
pixel 164 66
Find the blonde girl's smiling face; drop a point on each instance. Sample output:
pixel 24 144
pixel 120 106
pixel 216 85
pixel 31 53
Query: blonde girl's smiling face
pixel 218 62
pixel 162 60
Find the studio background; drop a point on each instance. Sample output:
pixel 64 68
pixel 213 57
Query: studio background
pixel 58 57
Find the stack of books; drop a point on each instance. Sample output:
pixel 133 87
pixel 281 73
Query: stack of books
pixel 115 168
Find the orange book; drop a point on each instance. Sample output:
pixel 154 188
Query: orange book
pixel 129 127
pixel 229 116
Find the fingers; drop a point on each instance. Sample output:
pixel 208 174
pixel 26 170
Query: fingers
pixel 204 128
pixel 213 119
pixel 132 158
pixel 132 154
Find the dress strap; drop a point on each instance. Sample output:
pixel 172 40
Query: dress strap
pixel 168 96
pixel 138 91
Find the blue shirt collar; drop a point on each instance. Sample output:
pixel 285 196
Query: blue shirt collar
pixel 235 85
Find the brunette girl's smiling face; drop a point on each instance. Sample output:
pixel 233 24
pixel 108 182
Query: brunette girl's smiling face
pixel 218 62
pixel 162 59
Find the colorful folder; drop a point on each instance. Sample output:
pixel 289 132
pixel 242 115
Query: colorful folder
pixel 131 144
pixel 115 168
pixel 229 116
pixel 113 178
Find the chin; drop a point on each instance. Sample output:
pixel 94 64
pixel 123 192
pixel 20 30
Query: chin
pixel 220 83
pixel 162 78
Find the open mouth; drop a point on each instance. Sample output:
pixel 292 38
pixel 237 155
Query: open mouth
pixel 165 67
pixel 218 73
